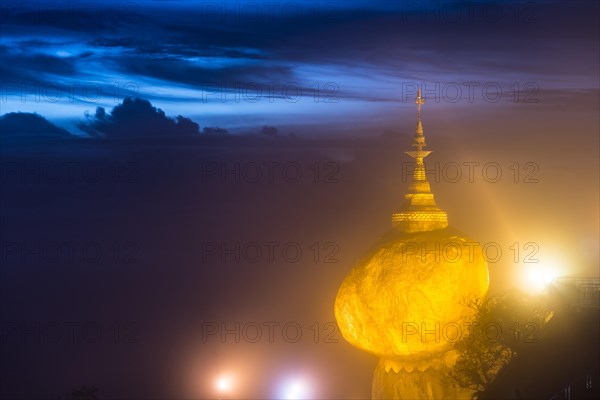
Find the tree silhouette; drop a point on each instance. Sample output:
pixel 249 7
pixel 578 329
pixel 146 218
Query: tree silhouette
pixel 503 324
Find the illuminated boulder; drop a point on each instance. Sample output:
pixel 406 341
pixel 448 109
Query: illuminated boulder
pixel 406 300
pixel 408 297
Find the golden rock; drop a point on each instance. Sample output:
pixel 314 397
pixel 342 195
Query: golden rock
pixel 408 285
pixel 406 300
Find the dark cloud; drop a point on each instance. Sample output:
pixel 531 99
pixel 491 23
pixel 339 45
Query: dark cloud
pixel 28 66
pixel 269 131
pixel 174 70
pixel 136 118
pixel 29 124
pixel 85 17
pixel 209 130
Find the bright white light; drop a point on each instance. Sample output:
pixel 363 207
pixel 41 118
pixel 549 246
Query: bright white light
pixel 539 276
pixel 224 384
pixel 296 389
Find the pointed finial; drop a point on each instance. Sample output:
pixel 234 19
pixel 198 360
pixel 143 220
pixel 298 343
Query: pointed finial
pixel 420 101
pixel 419 142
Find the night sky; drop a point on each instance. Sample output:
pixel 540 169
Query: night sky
pixel 171 169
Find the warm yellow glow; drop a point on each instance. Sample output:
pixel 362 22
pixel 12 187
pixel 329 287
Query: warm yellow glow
pixel 407 299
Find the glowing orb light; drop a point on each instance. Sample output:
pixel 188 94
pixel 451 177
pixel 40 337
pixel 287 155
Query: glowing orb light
pixel 539 276
pixel 224 383
pixel 296 389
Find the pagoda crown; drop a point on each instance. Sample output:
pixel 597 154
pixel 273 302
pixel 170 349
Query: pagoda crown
pixel 419 212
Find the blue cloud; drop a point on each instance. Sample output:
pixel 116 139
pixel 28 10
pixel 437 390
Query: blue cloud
pixel 185 53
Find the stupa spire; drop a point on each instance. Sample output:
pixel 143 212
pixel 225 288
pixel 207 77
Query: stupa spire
pixel 419 101
pixel 419 211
